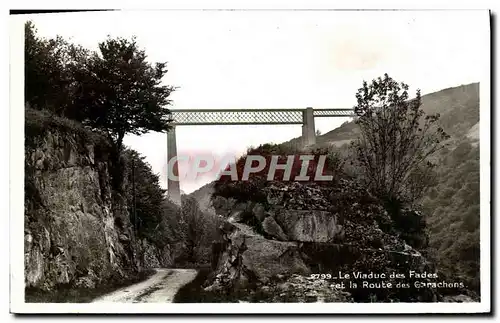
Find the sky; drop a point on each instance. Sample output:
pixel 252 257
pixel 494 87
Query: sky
pixel 282 60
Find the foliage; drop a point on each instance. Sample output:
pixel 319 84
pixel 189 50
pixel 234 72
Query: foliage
pixel 121 92
pixel 114 90
pixel 161 221
pixel 452 205
pixel 171 216
pixel 396 138
pixel 196 230
pixel 192 223
pixel 452 217
pixel 38 123
pixel 145 198
pixel 49 84
pixel 251 189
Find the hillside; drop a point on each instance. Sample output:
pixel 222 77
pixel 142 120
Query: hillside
pixel 203 197
pixel 451 206
pixel 458 107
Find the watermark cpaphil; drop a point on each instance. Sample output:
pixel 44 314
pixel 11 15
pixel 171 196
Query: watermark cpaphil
pixel 292 167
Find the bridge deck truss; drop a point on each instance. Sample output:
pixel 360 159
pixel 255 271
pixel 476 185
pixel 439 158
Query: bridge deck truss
pixel 247 117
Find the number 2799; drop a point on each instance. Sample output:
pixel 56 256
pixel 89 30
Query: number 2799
pixel 321 276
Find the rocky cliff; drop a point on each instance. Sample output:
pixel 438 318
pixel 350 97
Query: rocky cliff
pixel 268 250
pixel 77 227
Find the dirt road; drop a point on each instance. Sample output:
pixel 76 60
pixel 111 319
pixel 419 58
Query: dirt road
pixel 159 288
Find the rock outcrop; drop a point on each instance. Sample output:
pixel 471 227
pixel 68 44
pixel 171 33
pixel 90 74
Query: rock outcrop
pixel 247 257
pixel 273 229
pixel 77 228
pixel 309 228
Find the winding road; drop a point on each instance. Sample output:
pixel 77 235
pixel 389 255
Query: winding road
pixel 159 288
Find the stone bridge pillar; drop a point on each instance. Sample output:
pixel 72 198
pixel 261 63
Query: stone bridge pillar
pixel 173 189
pixel 308 129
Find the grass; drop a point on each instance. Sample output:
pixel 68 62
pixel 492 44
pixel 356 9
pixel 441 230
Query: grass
pixel 68 294
pixel 38 122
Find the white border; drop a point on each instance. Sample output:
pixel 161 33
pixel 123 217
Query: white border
pixel 485 174
pixel 16 42
pixel 17 210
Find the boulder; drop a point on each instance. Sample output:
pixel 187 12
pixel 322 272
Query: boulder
pixel 248 257
pixel 259 212
pixel 272 228
pixel 236 216
pixel 268 258
pixel 309 225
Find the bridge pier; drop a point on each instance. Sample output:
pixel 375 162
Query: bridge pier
pixel 308 128
pixel 240 117
pixel 173 184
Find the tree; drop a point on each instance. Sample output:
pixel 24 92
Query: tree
pixel 144 196
pixel 121 93
pixel 193 226
pixel 115 90
pixel 396 140
pixel 47 80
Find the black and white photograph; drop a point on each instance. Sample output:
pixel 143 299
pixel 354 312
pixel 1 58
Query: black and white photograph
pixel 250 161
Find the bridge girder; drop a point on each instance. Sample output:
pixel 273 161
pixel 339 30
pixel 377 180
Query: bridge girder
pixel 248 117
pixel 305 117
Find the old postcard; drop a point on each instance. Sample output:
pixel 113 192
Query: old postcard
pixel 250 161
